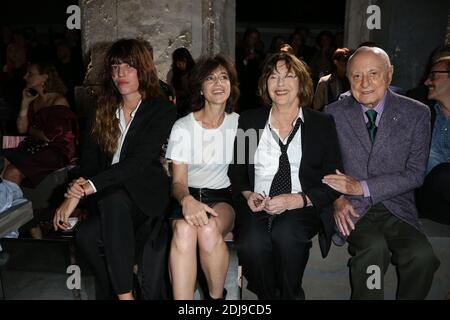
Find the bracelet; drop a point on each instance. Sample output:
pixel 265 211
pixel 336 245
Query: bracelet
pixel 305 201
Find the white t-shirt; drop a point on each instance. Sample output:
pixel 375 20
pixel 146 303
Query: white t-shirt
pixel 208 152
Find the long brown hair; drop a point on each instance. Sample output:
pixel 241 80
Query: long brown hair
pixel 53 84
pixel 301 70
pixel 138 55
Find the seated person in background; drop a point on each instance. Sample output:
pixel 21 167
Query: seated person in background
pixel 9 191
pixel 201 147
pixel 282 152
pixel 433 198
pixel 377 214
pixel 182 64
pixel 332 85
pixel 51 126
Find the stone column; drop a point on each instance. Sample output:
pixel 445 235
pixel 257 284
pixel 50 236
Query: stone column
pixel 202 26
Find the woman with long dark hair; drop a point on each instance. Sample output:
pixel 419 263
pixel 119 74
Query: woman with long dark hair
pixel 121 168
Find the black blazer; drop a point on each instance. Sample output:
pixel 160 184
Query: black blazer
pixel 140 170
pixel 320 156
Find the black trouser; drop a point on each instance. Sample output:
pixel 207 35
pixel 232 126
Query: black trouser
pixel 273 262
pixel 109 240
pixel 433 198
pixel 375 235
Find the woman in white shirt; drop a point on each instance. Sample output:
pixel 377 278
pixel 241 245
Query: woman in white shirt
pixel 201 148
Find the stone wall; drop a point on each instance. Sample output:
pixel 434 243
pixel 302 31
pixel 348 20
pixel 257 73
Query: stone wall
pixel 202 26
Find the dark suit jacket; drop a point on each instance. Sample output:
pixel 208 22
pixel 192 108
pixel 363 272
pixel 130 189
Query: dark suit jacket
pixel 395 164
pixel 139 170
pixel 320 156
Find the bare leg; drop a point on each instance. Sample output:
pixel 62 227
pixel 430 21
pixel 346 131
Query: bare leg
pixel 183 260
pixel 214 256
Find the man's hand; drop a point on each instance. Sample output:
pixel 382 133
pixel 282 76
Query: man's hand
pixel 343 212
pixel 344 184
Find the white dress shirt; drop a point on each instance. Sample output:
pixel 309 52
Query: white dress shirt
pixel 268 154
pixel 123 133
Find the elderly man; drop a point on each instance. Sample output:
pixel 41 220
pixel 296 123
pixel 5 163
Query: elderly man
pixel 384 140
pixel 434 196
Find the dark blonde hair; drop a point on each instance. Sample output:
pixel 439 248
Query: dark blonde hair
pixel 53 84
pixel 136 53
pixel 203 69
pixel 293 64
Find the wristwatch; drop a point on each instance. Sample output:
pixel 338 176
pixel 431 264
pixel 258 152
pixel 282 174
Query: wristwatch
pixel 305 201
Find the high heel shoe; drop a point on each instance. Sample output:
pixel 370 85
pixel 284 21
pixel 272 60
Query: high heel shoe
pixel 224 296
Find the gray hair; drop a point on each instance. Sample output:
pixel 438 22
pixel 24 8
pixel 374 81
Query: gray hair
pixel 375 50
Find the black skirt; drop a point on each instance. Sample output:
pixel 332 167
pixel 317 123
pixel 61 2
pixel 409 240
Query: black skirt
pixel 210 197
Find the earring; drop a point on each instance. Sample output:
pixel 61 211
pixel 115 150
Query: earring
pixel 201 92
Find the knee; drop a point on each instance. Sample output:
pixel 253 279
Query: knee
pixel 209 237
pixel 423 257
pixel 251 244
pixel 376 248
pixel 184 236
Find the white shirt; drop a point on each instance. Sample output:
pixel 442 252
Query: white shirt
pixel 123 134
pixel 267 158
pixel 208 152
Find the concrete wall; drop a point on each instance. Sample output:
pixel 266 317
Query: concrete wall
pixel 410 30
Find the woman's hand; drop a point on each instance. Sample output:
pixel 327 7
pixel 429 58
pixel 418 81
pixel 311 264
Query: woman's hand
pixel 75 189
pixel 255 201
pixel 195 212
pixel 62 214
pixel 28 97
pixel 283 202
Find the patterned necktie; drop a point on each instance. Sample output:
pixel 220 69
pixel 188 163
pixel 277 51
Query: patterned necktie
pixel 281 182
pixel 371 127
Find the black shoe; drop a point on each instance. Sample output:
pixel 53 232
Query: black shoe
pixel 224 296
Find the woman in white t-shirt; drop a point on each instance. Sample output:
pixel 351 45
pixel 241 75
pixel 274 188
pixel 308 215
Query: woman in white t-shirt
pixel 201 148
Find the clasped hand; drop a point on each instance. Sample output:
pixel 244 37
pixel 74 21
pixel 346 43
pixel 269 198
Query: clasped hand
pixel 274 205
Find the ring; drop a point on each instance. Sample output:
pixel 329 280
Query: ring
pixel 61 221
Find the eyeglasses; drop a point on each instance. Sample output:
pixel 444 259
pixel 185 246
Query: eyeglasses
pixel 220 78
pixel 276 78
pixel 432 74
pixel 124 67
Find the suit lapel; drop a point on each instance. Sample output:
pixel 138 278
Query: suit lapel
pixel 304 133
pixel 134 127
pixel 260 121
pixel 356 120
pixel 387 123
